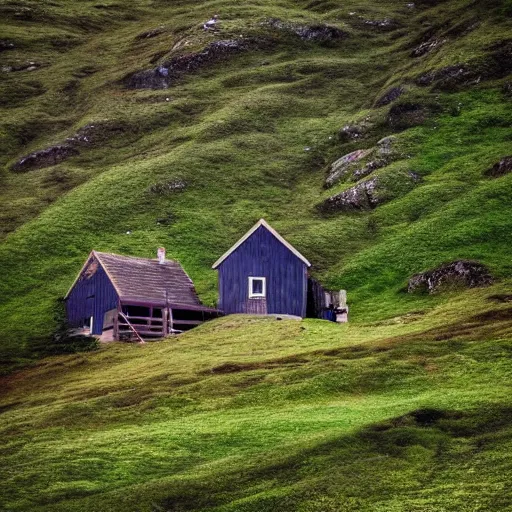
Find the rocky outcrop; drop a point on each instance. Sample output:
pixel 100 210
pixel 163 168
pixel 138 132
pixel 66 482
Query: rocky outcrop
pixel 361 163
pixel 317 32
pixel 385 25
pixel 504 166
pixel 355 131
pixel 99 132
pixel 496 64
pixel 389 96
pixel 44 158
pixel 341 167
pixel 469 274
pixel 370 193
pixel 428 46
pixel 162 76
pixel 406 115
pixel 176 185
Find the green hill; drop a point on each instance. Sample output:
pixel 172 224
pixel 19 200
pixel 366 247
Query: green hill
pixel 125 126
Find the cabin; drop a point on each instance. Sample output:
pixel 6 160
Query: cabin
pixel 126 298
pixel 263 274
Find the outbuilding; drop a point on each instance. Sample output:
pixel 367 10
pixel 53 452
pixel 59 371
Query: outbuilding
pixel 263 274
pixel 134 298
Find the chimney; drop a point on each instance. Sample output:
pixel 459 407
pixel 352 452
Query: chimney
pixel 161 255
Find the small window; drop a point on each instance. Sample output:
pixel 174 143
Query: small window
pixel 257 287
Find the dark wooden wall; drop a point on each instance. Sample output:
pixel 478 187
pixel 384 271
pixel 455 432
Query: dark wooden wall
pixel 262 255
pixel 92 295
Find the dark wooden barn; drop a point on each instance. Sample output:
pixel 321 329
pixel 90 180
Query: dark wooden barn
pixel 134 298
pixel 263 274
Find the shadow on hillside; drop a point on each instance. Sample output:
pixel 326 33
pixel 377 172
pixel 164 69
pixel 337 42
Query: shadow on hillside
pixel 400 456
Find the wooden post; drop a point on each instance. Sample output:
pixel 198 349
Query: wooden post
pixel 171 322
pixel 115 333
pixel 165 321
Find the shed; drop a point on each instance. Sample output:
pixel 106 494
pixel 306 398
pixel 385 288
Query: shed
pixel 263 274
pixel 134 297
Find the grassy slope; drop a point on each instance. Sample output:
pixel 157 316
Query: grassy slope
pixel 295 416
pixel 236 133
pixel 255 415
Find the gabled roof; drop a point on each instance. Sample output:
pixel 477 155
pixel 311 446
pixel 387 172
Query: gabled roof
pixel 261 222
pixel 145 280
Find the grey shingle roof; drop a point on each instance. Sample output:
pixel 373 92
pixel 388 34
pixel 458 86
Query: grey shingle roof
pixel 146 280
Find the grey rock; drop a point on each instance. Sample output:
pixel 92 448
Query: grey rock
pixel 351 132
pixel 317 32
pixel 428 46
pixel 176 185
pixel 99 132
pixel 469 274
pixel 386 24
pixel 389 96
pixel 162 76
pixel 370 193
pixel 501 168
pixel 44 158
pixel 361 163
pixel 496 64
pixel 341 167
pixel 385 145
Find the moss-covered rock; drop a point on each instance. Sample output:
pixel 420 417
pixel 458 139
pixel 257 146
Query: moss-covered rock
pixel 371 192
pixel 469 274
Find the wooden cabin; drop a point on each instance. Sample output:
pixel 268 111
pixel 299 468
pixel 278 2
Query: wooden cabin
pixel 263 274
pixel 134 298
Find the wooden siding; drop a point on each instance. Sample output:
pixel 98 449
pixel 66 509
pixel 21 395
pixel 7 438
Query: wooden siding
pixel 92 295
pixel 262 255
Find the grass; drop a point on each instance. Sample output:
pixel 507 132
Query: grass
pixel 405 408
pixel 256 414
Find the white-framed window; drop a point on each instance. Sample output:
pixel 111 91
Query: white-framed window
pixel 257 287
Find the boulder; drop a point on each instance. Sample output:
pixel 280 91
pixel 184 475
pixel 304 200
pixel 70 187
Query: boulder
pixel 341 167
pixel 389 96
pixel 504 166
pixel 370 193
pixel 317 32
pixel 44 158
pixel 162 76
pixel 469 274
pixel 361 163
